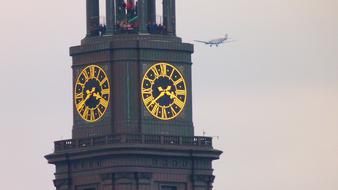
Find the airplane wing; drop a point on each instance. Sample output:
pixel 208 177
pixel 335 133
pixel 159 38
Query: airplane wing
pixel 202 41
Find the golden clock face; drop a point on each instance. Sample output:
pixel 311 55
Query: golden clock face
pixel 164 91
pixel 92 92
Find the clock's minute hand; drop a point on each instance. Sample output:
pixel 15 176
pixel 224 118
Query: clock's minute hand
pixel 171 94
pixel 97 96
pixel 89 94
pixel 158 97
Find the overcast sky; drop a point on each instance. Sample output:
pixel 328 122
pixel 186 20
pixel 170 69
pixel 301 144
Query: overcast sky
pixel 271 96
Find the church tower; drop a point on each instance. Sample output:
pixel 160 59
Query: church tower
pixel 132 105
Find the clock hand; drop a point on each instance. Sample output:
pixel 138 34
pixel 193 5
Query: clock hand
pixel 163 92
pixel 84 101
pixel 97 96
pixel 92 91
pixel 168 88
pixel 158 97
pixel 171 94
pixel 160 89
pixel 89 94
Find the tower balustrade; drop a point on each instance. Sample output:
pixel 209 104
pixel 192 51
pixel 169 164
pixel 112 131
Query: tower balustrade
pixel 131 17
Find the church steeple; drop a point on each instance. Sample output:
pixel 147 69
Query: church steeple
pixel 132 106
pixel 131 17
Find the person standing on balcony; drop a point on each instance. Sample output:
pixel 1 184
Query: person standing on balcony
pixel 130 9
pixel 121 15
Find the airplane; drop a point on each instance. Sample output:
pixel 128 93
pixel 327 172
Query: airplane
pixel 216 41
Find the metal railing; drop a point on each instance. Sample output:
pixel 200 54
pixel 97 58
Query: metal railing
pixel 132 139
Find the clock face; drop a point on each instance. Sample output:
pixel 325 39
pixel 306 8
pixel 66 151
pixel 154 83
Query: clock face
pixel 164 91
pixel 92 92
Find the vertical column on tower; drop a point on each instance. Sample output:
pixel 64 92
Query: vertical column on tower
pixel 173 18
pixel 111 16
pixel 151 11
pixel 169 16
pixel 143 15
pixel 93 17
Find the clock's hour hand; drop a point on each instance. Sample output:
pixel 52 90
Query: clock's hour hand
pixel 168 88
pixel 160 89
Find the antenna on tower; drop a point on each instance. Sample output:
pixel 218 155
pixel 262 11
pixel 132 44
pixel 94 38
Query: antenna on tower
pixel 204 133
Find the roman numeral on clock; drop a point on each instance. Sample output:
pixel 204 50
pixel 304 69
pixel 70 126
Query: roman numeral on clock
pixel 148 100
pixel 163 69
pixel 156 73
pixel 179 103
pixel 91 72
pixel 180 92
pixel 78 96
pixel 178 81
pixel 147 91
pixel 155 109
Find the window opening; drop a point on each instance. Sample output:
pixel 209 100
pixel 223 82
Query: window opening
pixel 127 19
pixel 102 13
pixel 159 11
pixel 157 26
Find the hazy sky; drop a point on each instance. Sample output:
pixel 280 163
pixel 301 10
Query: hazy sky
pixel 271 96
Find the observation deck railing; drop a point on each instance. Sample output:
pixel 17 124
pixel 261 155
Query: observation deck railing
pixel 132 139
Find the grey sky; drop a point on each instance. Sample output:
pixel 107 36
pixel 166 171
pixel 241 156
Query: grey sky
pixel 271 96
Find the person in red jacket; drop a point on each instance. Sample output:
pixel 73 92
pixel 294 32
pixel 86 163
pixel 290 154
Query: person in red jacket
pixel 130 8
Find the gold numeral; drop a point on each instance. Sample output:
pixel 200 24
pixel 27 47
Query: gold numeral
pixel 173 111
pixel 163 69
pixel 155 109
pixel 85 74
pixel 150 80
pixel 178 81
pixel 164 113
pixel 105 91
pixel 78 96
pixel 92 116
pixel 91 72
pixel 155 72
pixel 80 83
pixel 180 92
pixel 103 81
pixel 99 113
pixel 104 102
pixel 148 100
pixel 179 103
pixel 147 90
pixel 85 113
